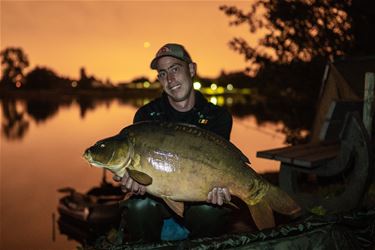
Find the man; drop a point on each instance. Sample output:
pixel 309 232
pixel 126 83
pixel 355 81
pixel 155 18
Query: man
pixel 148 218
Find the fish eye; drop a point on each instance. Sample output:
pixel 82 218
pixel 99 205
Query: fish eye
pixel 102 145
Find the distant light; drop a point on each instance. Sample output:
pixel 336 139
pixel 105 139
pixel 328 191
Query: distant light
pixel 146 45
pixel 74 84
pixel 229 101
pixel 229 87
pixel 213 100
pixel 220 90
pixel 220 101
pixel 18 84
pixel 245 91
pixel 146 84
pixel 197 85
pixel 213 86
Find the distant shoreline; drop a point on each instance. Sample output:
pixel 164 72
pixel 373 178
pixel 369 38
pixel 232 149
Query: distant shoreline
pixel 108 93
pixel 97 93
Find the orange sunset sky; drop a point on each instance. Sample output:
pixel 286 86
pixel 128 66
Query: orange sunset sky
pixel 116 40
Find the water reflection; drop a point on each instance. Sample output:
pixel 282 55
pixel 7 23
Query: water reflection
pixel 18 112
pixel 14 124
pixel 85 104
pixel 42 110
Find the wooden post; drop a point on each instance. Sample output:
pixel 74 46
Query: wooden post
pixel 368 100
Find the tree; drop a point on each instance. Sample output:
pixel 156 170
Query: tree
pixel 42 78
pixel 13 61
pixel 237 79
pixel 305 29
pixel 141 79
pixel 300 36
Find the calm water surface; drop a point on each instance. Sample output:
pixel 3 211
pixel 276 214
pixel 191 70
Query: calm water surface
pixel 48 157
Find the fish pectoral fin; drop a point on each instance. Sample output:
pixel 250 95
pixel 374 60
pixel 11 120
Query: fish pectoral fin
pixel 176 206
pixel 262 215
pixel 139 177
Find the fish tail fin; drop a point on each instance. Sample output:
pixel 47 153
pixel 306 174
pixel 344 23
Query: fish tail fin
pixel 262 215
pixel 281 202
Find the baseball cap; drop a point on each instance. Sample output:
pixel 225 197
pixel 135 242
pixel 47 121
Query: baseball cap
pixel 171 49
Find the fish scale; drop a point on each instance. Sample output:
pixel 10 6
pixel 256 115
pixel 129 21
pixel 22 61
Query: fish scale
pixel 181 162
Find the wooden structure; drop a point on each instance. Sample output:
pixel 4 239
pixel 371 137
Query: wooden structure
pixel 340 142
pixel 342 81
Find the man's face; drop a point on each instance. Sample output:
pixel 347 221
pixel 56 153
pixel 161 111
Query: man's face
pixel 176 77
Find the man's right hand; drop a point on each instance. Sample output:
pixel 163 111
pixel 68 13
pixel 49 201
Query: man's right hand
pixel 130 185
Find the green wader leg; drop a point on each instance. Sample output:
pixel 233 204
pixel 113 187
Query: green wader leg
pixel 144 218
pixel 206 220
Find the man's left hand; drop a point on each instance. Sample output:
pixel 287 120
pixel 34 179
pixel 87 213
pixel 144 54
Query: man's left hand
pixel 218 196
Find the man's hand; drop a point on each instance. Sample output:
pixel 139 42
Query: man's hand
pixel 130 185
pixel 218 196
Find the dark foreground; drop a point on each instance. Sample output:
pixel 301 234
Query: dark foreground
pixel 350 230
pixel 354 230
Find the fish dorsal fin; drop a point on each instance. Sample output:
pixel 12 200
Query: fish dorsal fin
pixel 176 206
pixel 139 177
pixel 262 215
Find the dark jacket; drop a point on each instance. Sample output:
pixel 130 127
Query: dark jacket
pixel 204 114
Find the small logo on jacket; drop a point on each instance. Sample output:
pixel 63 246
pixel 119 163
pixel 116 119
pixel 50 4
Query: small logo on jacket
pixel 203 121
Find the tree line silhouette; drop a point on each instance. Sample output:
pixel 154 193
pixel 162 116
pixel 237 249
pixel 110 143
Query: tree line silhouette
pixel 14 62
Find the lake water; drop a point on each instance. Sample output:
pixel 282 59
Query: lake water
pixel 41 148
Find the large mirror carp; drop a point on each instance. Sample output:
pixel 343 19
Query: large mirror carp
pixel 181 162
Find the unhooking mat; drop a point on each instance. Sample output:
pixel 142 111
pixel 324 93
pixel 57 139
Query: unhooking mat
pixel 354 230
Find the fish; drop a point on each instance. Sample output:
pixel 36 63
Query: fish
pixel 182 163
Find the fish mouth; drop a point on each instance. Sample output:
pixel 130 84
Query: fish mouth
pixel 115 168
pixel 87 156
pixel 97 164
